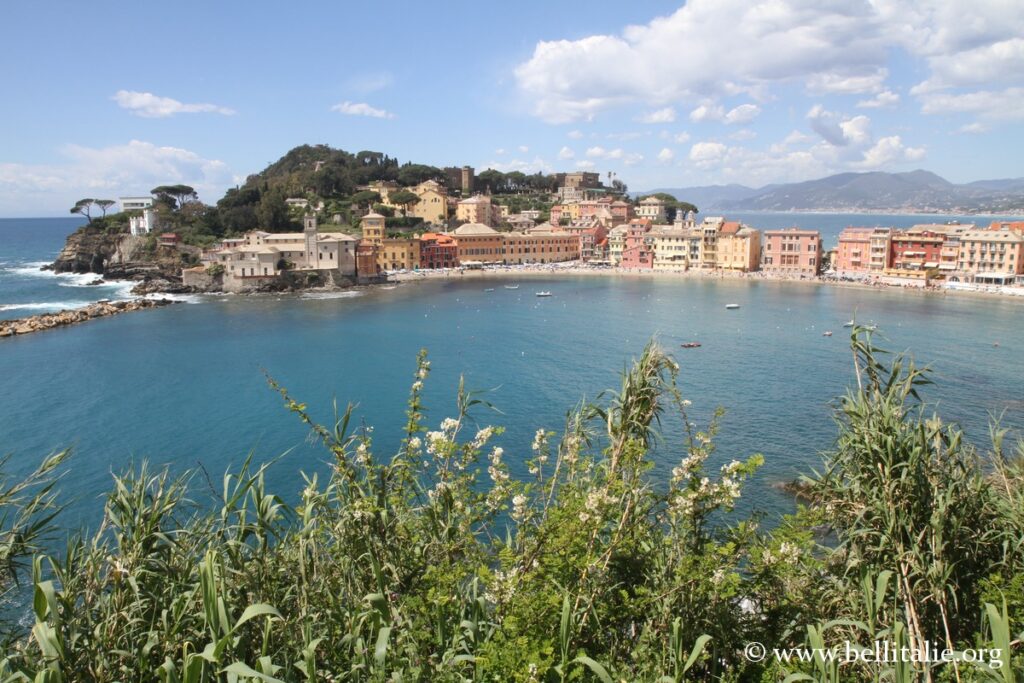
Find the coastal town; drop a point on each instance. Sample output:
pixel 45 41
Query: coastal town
pixel 588 225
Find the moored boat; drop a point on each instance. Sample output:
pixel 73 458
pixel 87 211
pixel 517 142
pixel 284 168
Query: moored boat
pixel 543 293
pixel 732 307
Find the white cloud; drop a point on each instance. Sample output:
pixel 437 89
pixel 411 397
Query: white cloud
pixel 707 112
pixel 706 153
pixel 632 159
pixel 133 168
pixel 584 164
pixel 499 151
pixel 833 47
pixel 1005 105
pixel 523 149
pixel 598 152
pixel 841 84
pixel 838 130
pixel 361 109
pixel 535 165
pixel 666 115
pixel 886 98
pixel 566 153
pixel 887 151
pixel 666 155
pixel 743 134
pixel 575 134
pixel 152 106
pixel 682 137
pixel 744 113
pixel 973 128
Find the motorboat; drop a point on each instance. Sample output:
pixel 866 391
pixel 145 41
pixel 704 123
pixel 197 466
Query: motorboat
pixel 732 307
pixel 691 345
pixel 826 333
pixel 511 286
pixel 489 289
pixel 849 323
pixel 543 293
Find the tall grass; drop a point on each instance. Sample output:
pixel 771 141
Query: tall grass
pixel 434 564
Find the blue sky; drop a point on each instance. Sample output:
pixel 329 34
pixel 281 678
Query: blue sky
pixel 107 98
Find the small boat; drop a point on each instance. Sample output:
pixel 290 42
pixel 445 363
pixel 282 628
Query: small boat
pixel 732 307
pixel 826 333
pixel 511 286
pixel 848 323
pixel 691 345
pixel 871 328
pixel 489 289
pixel 543 293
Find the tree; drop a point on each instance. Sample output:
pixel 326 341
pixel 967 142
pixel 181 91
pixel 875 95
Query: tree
pixel 82 207
pixel 365 198
pixel 404 199
pixel 272 212
pixel 174 196
pixel 105 204
pixel 414 174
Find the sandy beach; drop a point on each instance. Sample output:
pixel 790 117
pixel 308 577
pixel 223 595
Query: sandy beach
pixel 576 269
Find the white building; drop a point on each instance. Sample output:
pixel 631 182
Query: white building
pixel 141 223
pixel 653 209
pixel 135 203
pixel 261 255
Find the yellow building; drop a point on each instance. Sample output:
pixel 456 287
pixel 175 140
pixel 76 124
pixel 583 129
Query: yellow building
pixel 993 256
pixel 433 204
pixel 374 230
pixel 739 247
pixel 399 253
pixel 616 243
pixel 478 209
pixel 538 246
pixel 671 247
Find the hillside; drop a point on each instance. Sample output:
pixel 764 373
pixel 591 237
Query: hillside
pixel 917 191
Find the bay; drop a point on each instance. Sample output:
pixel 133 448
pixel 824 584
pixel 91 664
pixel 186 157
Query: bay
pixel 186 385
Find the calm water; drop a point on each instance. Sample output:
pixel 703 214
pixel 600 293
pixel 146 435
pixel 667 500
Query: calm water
pixel 184 385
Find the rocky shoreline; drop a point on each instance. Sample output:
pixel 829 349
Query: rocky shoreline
pixel 100 309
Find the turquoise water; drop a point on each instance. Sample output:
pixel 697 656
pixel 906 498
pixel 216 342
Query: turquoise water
pixel 184 385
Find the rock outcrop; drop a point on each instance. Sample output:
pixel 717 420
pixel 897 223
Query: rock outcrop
pixel 94 250
pixel 46 321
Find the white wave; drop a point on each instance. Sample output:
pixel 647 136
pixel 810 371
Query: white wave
pixel 330 295
pixel 31 268
pixel 44 306
pixel 183 298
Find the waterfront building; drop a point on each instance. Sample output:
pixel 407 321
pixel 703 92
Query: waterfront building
pixel 852 250
pixel 438 250
pixel 994 256
pixel 739 247
pixel 367 262
pixel 589 238
pixel 616 243
pixel 136 203
pixel 145 221
pixel 670 247
pixel 478 209
pixel 709 231
pixel 637 251
pixel 539 246
pixel 916 249
pixel 653 209
pixel 399 253
pixel 478 243
pixel 880 250
pixel 374 228
pixel 261 255
pixel 792 251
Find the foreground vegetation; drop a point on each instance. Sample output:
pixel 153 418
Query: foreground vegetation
pixel 435 564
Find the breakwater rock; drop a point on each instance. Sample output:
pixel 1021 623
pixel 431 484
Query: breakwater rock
pixel 100 309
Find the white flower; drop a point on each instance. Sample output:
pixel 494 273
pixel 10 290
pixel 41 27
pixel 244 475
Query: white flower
pixel 417 385
pixel 519 507
pixel 538 440
pixel 362 454
pixel 687 402
pixel 449 424
pixel 482 437
pixel 415 444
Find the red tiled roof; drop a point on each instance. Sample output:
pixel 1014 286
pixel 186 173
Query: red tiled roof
pixel 730 227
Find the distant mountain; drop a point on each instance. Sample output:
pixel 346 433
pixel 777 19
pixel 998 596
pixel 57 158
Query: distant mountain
pixel 914 191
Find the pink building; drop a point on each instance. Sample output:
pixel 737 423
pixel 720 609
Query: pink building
pixel 637 252
pixel 852 252
pixel 792 251
pixel 589 239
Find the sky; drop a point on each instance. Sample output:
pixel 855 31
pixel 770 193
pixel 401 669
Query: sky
pixel 105 99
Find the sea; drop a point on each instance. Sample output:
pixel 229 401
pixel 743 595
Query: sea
pixel 186 386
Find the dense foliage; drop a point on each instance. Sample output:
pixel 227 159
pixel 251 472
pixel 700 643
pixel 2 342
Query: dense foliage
pixel 434 564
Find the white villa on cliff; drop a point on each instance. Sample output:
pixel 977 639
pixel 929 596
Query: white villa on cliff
pixel 261 255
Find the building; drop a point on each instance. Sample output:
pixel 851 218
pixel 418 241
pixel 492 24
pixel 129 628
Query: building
pixel 399 253
pixel 616 243
pixel 637 251
pixel 739 247
pixel 478 243
pixel 853 251
pixel 519 222
pixel 994 256
pixel 367 265
pixel 653 209
pixel 709 230
pixel 670 246
pixel 569 212
pixel 916 249
pixel 792 251
pixel 478 209
pixel 374 228
pixel 135 203
pixel 168 239
pixel 259 256
pixel 433 204
pixel 581 180
pixel 589 238
pixel 438 250
pixel 539 246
